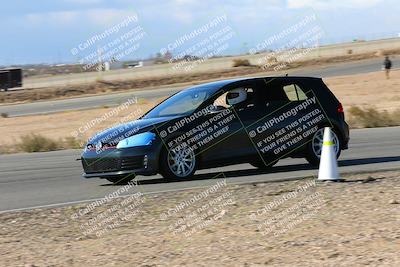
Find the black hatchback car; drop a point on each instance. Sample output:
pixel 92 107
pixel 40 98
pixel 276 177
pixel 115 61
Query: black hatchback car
pixel 252 120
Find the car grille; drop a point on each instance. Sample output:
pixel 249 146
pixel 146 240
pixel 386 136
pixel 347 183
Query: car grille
pixel 132 163
pixel 112 164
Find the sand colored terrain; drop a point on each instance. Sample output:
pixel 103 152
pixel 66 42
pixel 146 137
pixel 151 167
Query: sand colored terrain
pixel 297 223
pixel 368 90
pixel 364 90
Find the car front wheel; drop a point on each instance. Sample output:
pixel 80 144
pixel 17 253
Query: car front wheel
pixel 177 164
pixel 314 148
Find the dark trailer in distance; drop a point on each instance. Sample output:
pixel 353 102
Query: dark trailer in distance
pixel 10 78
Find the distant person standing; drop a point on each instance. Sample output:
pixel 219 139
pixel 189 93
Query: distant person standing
pixel 387 65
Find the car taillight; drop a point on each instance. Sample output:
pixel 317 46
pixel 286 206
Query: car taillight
pixel 340 108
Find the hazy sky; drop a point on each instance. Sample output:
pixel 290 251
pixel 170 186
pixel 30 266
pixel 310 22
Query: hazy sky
pixel 47 30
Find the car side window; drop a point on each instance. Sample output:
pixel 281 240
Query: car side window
pixel 294 92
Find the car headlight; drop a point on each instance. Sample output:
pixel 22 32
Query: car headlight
pixel 142 139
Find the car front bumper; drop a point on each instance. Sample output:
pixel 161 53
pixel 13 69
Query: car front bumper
pixel 115 162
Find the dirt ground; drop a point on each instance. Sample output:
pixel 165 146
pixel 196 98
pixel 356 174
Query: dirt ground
pixel 294 223
pixel 368 90
pixel 364 90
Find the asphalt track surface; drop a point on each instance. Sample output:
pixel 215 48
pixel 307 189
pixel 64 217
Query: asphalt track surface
pixel 54 178
pixel 81 103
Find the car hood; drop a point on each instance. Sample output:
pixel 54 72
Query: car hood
pixel 117 133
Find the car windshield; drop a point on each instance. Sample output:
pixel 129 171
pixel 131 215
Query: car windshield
pixel 184 102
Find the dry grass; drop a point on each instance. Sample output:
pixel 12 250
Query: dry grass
pixel 71 142
pixel 371 117
pixel 241 63
pixel 37 143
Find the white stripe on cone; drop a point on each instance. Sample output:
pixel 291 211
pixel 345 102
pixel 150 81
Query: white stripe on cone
pixel 328 167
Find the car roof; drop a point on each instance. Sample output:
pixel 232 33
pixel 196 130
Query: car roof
pixel 222 83
pixel 217 84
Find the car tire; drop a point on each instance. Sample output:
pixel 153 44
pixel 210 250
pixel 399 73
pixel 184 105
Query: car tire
pixel 259 164
pixel 314 147
pixel 175 166
pixel 120 180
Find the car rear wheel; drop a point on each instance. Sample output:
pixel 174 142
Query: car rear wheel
pixel 314 148
pixel 177 164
